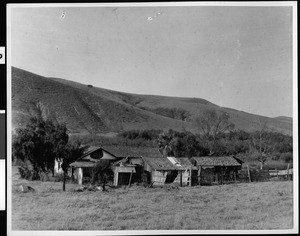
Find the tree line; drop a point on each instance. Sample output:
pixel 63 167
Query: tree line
pixel 37 146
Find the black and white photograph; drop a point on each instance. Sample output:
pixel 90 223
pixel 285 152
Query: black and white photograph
pixel 152 118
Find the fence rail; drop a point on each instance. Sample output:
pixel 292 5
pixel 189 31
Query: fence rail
pixel 263 175
pixel 280 172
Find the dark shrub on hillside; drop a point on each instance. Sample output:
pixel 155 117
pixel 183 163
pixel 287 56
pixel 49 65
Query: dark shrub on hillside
pixel 140 134
pixel 276 156
pixel 90 86
pixel 26 172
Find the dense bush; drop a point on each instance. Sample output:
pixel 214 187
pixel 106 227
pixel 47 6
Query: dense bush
pixel 143 134
pixel 26 172
pixel 39 144
pixel 102 173
pixel 134 138
pixel 287 157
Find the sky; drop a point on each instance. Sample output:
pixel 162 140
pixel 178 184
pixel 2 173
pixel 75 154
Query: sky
pixel 237 57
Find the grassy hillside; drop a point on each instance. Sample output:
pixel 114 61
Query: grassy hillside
pixel 285 119
pixel 87 109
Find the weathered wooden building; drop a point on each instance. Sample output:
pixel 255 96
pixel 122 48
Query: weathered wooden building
pixel 163 170
pixel 129 167
pixel 190 170
pixel 82 166
pixel 133 164
pixel 213 169
pixel 127 163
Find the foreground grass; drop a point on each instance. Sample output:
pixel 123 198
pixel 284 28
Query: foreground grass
pixel 267 205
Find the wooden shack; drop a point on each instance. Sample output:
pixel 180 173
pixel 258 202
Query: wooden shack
pixel 125 172
pixel 217 169
pixel 82 166
pixel 190 172
pixel 168 170
pixel 129 167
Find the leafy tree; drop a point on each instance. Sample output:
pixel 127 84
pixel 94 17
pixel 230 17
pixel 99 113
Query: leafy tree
pixel 166 142
pixel 187 145
pixel 102 172
pixel 180 144
pixel 40 143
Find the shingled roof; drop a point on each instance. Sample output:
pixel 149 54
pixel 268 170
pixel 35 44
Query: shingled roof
pixel 216 161
pixel 161 163
pixel 185 162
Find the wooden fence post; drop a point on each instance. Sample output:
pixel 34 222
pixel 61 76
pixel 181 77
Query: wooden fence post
pixel 180 178
pixel 130 178
pixel 222 175
pixel 116 177
pixel 80 176
pixel 234 176
pixel 199 175
pixel 248 173
pixel 190 175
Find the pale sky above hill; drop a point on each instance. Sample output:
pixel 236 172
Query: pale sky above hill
pixel 237 57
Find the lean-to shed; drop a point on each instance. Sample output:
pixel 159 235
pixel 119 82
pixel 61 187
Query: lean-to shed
pixel 217 168
pixel 159 169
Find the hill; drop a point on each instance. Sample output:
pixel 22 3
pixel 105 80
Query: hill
pixel 86 109
pixel 285 119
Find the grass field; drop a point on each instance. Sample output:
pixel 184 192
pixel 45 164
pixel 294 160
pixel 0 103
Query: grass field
pixel 266 205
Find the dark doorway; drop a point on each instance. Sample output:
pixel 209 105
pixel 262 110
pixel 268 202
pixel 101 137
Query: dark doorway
pixel 123 178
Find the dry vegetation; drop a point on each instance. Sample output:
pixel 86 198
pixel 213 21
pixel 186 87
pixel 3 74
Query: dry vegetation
pixel 267 205
pixel 91 110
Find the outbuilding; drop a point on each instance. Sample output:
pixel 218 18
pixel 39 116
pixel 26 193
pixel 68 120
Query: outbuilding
pixel 81 167
pixel 217 169
pixel 168 170
pixel 129 167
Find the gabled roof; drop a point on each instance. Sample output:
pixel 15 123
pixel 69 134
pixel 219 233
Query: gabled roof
pixel 217 161
pixel 161 163
pixel 119 152
pixel 91 150
pixel 125 151
pixel 87 159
